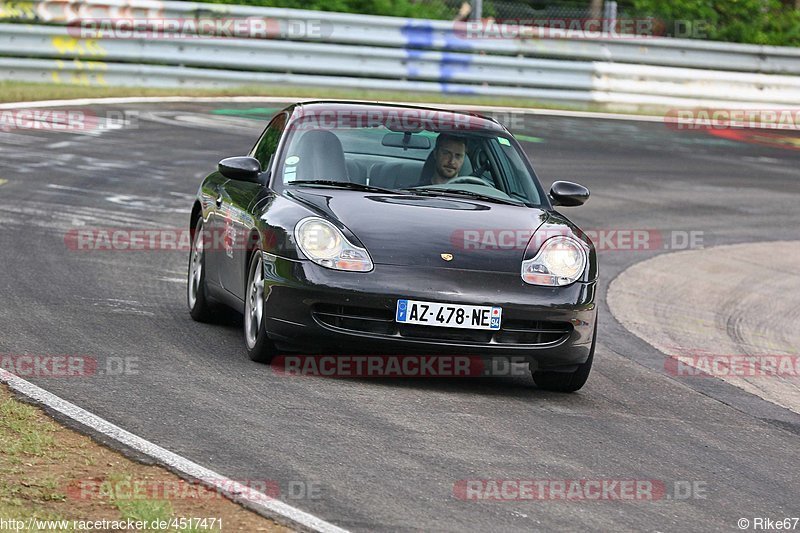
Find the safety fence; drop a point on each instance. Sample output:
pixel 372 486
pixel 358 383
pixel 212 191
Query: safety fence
pixel 185 44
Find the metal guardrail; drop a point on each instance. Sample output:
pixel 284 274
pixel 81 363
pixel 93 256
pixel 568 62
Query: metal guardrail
pixel 404 33
pixel 160 76
pixel 391 53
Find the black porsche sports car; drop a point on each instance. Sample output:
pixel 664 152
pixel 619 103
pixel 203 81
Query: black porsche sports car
pixel 387 229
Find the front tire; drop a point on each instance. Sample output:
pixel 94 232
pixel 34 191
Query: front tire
pixel 196 295
pixel 567 381
pixel 259 347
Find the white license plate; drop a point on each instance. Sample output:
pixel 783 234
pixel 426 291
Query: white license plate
pixel 448 315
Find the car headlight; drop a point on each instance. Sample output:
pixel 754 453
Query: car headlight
pixel 326 245
pixel 560 261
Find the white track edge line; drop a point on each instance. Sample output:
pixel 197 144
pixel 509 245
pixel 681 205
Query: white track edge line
pixel 236 491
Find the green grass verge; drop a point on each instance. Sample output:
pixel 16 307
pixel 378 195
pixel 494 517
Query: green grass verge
pixel 43 467
pixel 22 438
pixel 20 435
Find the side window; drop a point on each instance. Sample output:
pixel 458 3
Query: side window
pixel 268 143
pixel 519 184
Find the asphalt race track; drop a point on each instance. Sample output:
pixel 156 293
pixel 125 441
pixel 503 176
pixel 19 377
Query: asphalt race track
pixel 387 454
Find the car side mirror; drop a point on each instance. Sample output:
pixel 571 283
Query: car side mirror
pixel 568 194
pixel 240 169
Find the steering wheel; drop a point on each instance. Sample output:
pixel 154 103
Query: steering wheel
pixel 468 180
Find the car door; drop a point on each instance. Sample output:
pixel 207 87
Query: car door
pixel 236 211
pixel 211 198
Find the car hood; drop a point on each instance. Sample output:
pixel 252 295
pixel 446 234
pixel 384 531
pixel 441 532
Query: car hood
pixel 417 230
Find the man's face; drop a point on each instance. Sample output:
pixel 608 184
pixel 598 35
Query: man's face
pixel 449 158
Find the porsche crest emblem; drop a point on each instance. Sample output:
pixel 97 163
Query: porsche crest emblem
pixel 446 257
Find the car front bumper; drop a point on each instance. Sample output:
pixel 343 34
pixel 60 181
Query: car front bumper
pixel 315 310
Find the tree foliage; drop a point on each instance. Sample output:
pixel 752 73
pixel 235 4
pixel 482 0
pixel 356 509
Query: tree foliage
pixel 772 22
pixel 769 22
pixel 394 8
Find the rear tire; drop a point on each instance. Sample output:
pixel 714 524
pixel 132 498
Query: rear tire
pixel 567 381
pixel 200 307
pixel 259 346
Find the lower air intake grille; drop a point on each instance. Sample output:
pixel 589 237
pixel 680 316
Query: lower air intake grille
pixel 381 322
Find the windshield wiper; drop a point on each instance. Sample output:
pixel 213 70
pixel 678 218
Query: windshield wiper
pixel 422 192
pixel 459 192
pixel 342 185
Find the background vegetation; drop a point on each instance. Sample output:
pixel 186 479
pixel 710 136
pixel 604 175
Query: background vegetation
pixel 773 22
pixel 743 21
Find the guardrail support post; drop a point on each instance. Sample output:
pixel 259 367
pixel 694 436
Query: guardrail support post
pixel 610 16
pixel 477 9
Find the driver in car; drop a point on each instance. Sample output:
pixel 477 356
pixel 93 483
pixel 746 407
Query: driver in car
pixel 448 154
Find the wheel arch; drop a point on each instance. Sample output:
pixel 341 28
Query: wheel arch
pixel 253 244
pixel 197 212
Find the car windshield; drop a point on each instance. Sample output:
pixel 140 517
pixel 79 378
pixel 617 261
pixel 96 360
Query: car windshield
pixel 469 163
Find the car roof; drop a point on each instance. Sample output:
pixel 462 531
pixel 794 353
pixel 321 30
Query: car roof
pixel 475 119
